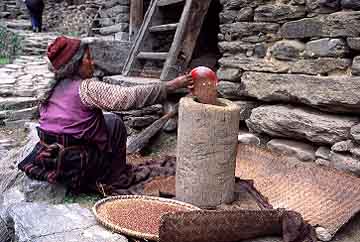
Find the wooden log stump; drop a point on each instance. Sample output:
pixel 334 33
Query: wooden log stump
pixel 207 142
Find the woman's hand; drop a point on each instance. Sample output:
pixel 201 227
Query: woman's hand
pixel 184 81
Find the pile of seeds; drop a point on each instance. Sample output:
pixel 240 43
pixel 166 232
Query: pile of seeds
pixel 139 216
pixel 161 185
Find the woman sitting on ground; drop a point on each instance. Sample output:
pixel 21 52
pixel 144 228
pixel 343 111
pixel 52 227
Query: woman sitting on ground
pixel 79 145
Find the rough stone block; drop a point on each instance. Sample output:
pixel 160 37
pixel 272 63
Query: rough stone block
pixel 311 90
pixel 327 48
pixel 354 43
pixel 247 49
pixel 350 4
pixel 14 115
pixel 323 152
pixel 355 70
pixel 300 123
pixel 105 22
pixel 323 6
pixel 246 107
pixel 39 191
pixel 229 74
pixel 118 9
pixel 355 133
pixel 122 36
pixel 248 139
pixel 149 110
pixel 228 16
pixel 110 56
pixel 230 90
pixel 238 4
pixel 278 13
pixel 301 151
pixel 112 3
pixel 339 24
pixel 342 146
pixel 243 30
pixel 122 27
pixel 122 18
pixel 345 162
pixel 140 122
pixel 68 223
pixel 17 102
pixel 287 50
pixel 303 66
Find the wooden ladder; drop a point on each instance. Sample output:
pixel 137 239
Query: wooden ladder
pixel 187 30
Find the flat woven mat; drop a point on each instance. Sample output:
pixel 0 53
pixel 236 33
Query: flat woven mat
pixel 136 216
pixel 324 196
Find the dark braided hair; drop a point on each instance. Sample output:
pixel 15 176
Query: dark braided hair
pixel 69 70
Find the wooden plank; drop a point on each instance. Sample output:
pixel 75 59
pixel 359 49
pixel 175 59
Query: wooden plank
pixel 163 28
pixel 142 139
pixel 139 39
pixel 153 55
pixel 136 16
pixel 163 3
pixel 185 38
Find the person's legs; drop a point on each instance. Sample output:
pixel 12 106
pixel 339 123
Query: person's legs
pixel 37 22
pixel 33 22
pixel 40 22
pixel 117 138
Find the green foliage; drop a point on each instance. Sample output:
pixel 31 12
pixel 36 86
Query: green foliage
pixel 87 200
pixel 4 61
pixel 10 45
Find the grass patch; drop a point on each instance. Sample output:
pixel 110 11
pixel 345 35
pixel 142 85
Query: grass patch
pixel 4 61
pixel 85 200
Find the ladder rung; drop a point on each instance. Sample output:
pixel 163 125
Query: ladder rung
pixel 153 55
pixel 162 3
pixel 163 28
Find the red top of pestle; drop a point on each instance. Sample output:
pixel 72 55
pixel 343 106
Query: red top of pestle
pixel 203 72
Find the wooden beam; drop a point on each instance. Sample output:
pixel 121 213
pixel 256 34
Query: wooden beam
pixel 185 38
pixel 153 55
pixel 162 3
pixel 136 16
pixel 163 28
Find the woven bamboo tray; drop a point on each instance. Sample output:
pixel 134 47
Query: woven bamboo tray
pixel 105 220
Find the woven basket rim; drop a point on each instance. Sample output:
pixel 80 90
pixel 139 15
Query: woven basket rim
pixel 118 229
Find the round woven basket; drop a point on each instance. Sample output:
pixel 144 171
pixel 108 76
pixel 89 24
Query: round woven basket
pixel 132 232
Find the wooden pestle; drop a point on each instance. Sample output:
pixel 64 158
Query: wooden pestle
pixel 205 81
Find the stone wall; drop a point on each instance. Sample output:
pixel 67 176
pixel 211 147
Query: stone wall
pixel 294 67
pixel 71 17
pixel 113 19
pixel 9 44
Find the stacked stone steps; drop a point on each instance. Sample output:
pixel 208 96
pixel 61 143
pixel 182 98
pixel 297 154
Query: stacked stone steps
pixel 21 84
pixel 32 43
pixel 13 9
pixel 113 20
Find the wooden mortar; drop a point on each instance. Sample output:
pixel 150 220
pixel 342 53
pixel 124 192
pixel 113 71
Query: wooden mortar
pixel 206 152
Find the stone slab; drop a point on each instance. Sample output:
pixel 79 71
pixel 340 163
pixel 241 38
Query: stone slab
pixel 110 56
pixel 278 13
pixel 300 123
pixel 35 222
pixel 302 151
pixel 339 24
pixel 354 43
pixel 39 191
pixel 302 66
pixel 311 90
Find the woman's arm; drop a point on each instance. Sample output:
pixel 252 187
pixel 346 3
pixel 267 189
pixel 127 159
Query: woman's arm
pixel 111 97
